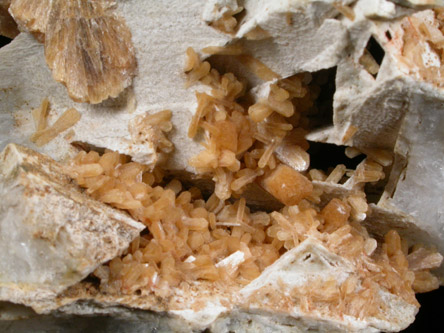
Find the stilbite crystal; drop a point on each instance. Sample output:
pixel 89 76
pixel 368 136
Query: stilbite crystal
pixel 87 47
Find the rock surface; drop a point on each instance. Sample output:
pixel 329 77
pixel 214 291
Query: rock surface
pixel 288 37
pixel 400 111
pixel 51 235
pixel 106 124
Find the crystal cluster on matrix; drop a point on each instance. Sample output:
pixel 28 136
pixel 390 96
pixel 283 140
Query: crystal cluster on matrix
pixel 191 238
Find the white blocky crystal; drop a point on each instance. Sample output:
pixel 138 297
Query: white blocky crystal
pixel 289 37
pixel 309 263
pixel 303 35
pixel 51 234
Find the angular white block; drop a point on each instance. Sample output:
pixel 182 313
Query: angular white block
pixel 51 234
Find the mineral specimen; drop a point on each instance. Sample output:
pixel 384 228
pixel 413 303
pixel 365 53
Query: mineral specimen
pixel 215 264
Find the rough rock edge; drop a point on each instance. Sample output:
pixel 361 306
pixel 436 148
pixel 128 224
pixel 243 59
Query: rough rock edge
pixel 388 111
pixel 44 180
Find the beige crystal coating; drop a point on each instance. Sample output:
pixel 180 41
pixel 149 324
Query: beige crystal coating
pixel 87 47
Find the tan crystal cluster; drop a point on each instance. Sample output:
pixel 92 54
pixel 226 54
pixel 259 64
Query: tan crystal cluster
pixel 266 145
pixel 192 240
pixel 87 47
pixel 44 134
pixel 152 129
pixel 423 45
pixel 240 146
